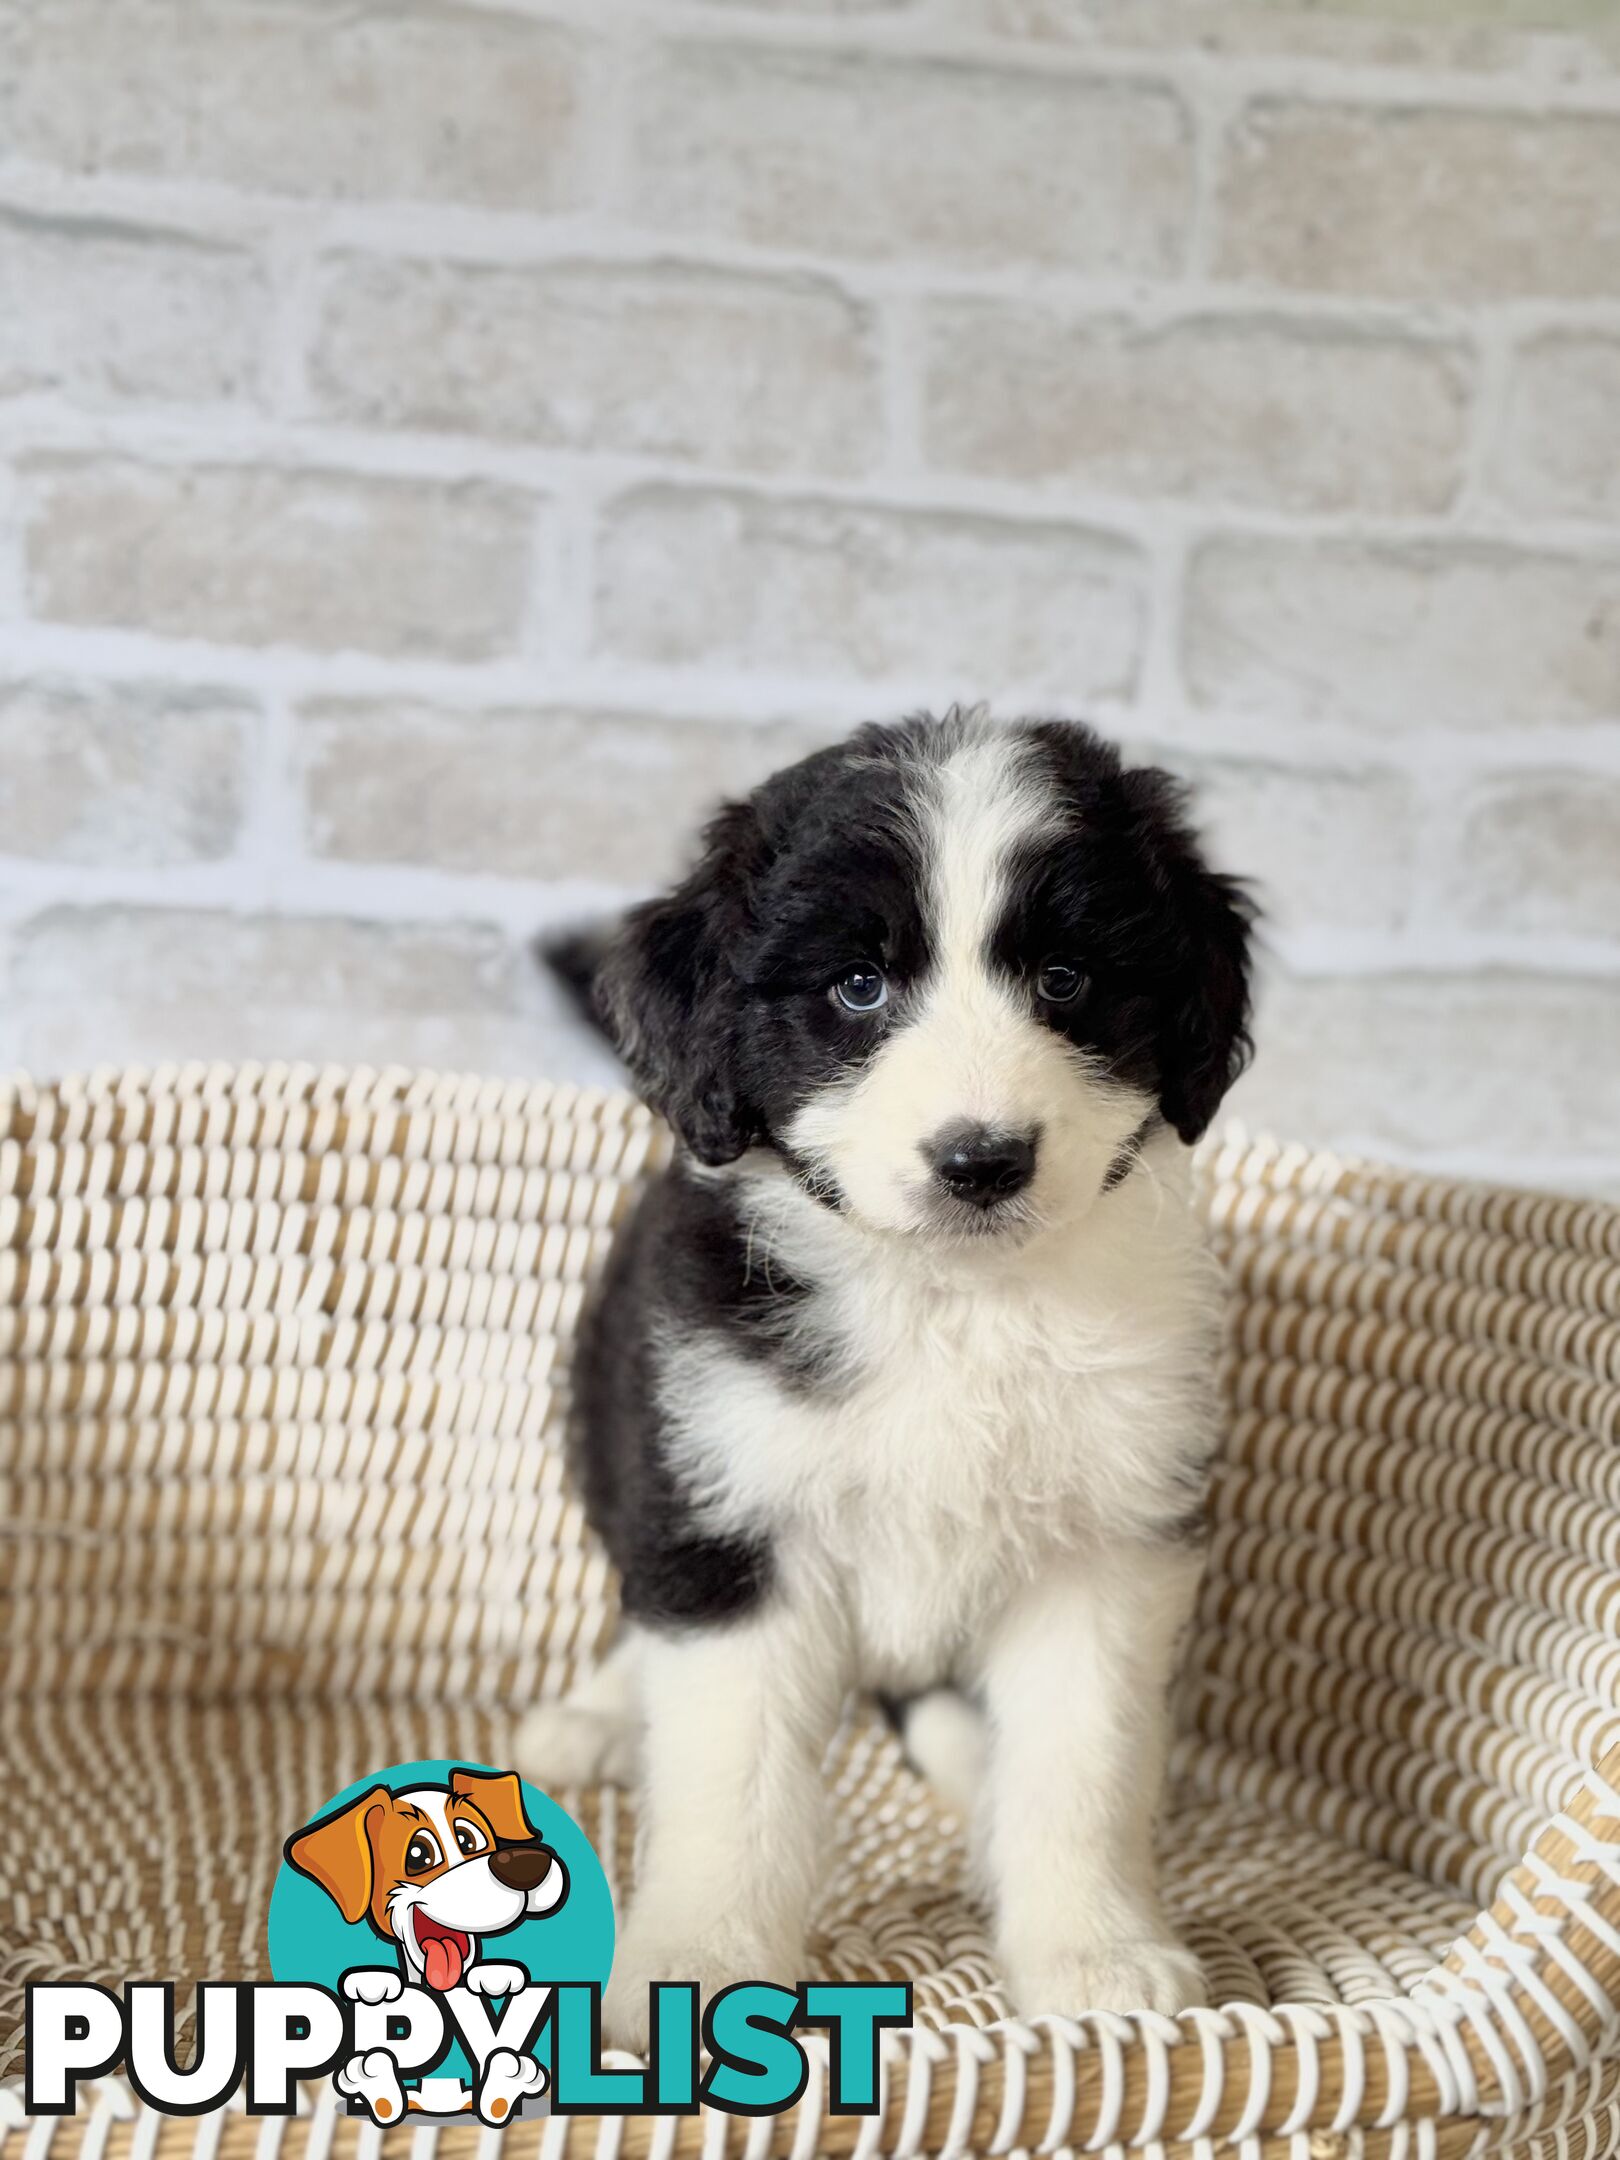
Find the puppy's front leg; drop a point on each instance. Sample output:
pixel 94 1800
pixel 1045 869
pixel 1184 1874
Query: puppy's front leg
pixel 738 1717
pixel 1078 1677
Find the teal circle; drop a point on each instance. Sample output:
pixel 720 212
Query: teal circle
pixel 309 1939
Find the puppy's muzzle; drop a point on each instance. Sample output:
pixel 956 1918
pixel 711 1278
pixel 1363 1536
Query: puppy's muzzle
pixel 980 1165
pixel 520 1867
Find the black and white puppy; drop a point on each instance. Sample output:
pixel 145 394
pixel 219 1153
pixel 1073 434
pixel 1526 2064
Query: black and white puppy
pixel 902 1376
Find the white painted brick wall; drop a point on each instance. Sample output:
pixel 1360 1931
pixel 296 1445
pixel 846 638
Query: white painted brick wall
pixel 443 447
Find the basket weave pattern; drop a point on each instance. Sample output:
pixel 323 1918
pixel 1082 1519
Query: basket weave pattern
pixel 282 1502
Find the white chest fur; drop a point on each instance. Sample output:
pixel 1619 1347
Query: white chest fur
pixel 976 1417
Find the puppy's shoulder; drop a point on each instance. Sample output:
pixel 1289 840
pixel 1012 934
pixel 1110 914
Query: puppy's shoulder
pixel 670 1277
pixel 723 1276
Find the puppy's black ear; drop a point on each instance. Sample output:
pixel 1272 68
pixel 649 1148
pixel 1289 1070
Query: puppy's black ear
pixel 668 997
pixel 1203 1028
pixel 1207 1042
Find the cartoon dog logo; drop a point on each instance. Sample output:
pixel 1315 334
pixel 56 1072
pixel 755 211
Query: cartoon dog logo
pixel 435 1871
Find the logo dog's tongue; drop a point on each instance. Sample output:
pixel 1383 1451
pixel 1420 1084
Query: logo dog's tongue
pixel 444 1952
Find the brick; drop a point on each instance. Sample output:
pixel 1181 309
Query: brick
pixel 103 312
pixel 820 7
pixel 1572 37
pixel 693 578
pixel 249 556
pixel 1396 638
pixel 1515 1064
pixel 300 97
pixel 1538 854
pixel 1233 410
pixel 614 798
pixel 874 156
pixel 97 984
pixel 134 777
pixel 1560 448
pixel 1324 849
pixel 1428 204
pixel 674 362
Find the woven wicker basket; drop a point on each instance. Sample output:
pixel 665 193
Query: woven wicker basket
pixel 284 1358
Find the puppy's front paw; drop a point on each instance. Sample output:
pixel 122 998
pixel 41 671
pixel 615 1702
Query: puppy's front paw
pixel 715 1957
pixel 373 1984
pixel 490 1977
pixel 1151 1975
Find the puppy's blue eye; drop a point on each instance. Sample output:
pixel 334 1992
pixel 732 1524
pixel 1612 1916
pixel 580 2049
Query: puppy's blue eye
pixel 862 989
pixel 1060 982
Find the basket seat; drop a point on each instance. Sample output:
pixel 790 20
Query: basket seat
pixel 283 1371
pixel 171 1876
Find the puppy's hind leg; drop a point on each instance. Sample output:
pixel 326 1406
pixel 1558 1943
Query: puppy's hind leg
pixel 945 1739
pixel 593 1736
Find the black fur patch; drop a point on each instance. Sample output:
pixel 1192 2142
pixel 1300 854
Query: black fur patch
pixel 1162 941
pixel 718 996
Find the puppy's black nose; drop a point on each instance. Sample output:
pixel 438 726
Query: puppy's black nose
pixel 519 1867
pixel 977 1164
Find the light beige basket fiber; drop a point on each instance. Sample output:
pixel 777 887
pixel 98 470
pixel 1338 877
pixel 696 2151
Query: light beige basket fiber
pixel 284 1361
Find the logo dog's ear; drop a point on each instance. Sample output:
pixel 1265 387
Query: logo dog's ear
pixel 499 1799
pixel 500 1802
pixel 668 997
pixel 337 1853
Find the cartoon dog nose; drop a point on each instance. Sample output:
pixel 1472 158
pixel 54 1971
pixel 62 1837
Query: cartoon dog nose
pixel 980 1165
pixel 520 1867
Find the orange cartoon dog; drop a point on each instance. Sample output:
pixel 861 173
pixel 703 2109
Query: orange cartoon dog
pixel 434 1870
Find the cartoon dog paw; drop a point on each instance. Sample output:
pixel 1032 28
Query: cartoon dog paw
pixel 509 2079
pixel 373 2080
pixel 490 1977
pixel 373 1984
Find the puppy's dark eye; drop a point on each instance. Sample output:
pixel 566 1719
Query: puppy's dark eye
pixel 1060 982
pixel 469 1838
pixel 422 1853
pixel 861 989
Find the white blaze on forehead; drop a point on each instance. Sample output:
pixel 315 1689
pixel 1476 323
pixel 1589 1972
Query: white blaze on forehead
pixel 985 802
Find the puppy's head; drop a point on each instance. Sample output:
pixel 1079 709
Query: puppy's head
pixel 434 1868
pixel 948 970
